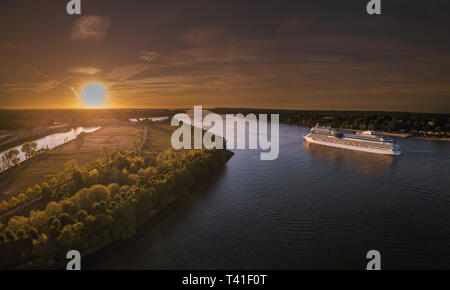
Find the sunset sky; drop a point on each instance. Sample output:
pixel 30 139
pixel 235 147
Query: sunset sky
pixel 261 54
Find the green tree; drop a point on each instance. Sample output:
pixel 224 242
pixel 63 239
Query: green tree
pixel 37 191
pixel 46 192
pixel 29 193
pixel 53 182
pixel 10 158
pixel 30 149
pixel 33 233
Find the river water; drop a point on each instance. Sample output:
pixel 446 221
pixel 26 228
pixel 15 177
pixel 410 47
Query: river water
pixel 313 208
pixel 54 140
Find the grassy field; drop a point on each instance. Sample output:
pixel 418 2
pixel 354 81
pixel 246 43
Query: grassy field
pixel 158 138
pixel 45 166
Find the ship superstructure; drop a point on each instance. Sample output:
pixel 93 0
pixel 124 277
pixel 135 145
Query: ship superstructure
pixel 366 141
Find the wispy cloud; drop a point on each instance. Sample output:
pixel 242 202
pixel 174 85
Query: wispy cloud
pixel 51 83
pixel 37 72
pixel 91 27
pixel 126 72
pixel 149 56
pixel 75 92
pixel 85 70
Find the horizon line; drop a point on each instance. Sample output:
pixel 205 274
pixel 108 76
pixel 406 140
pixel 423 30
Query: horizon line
pixel 246 108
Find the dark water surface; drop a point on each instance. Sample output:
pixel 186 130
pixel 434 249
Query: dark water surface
pixel 313 208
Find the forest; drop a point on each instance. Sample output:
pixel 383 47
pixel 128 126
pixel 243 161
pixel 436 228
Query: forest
pixel 30 119
pixel 413 124
pixel 91 207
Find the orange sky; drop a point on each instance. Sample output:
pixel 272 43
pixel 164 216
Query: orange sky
pixel 261 54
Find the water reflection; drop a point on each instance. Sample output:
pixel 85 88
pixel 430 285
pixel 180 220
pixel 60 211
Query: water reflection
pixel 54 140
pixel 152 119
pixel 368 163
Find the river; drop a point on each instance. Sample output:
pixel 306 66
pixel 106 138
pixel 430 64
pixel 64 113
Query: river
pixel 313 208
pixel 54 140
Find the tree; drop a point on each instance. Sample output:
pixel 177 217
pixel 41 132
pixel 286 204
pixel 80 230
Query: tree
pixel 53 182
pixel 70 167
pixel 29 193
pixel 33 233
pixel 3 206
pixel 30 149
pixel 82 215
pixel 13 201
pixel 46 190
pixel 10 158
pixel 65 219
pixel 37 191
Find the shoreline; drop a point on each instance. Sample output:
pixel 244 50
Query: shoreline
pixel 93 256
pixel 404 135
pixel 33 137
pixel 444 139
pixel 41 151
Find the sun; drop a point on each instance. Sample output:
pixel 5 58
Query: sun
pixel 94 95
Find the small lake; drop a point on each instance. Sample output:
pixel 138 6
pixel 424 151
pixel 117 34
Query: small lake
pixel 54 140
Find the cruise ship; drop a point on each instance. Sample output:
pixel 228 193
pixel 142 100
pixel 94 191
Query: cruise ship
pixel 366 141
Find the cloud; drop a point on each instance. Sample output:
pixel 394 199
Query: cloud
pixel 37 72
pixel 91 27
pixel 85 70
pixel 74 91
pixel 126 72
pixel 149 56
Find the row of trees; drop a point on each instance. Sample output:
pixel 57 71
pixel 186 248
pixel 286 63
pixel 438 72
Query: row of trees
pixel 11 158
pixel 66 183
pixel 31 194
pixel 394 122
pixel 102 203
pixel 30 119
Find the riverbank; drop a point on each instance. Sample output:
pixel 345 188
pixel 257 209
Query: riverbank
pixel 29 135
pixel 431 138
pixel 106 204
pixel 47 165
pixel 92 257
pixel 404 135
pixel 126 209
pixel 392 121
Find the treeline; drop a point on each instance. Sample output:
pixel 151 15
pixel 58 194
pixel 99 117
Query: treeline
pixel 11 158
pixel 30 119
pixel 101 203
pixel 415 124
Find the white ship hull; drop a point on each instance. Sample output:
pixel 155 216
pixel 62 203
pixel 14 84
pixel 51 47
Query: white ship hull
pixel 356 148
